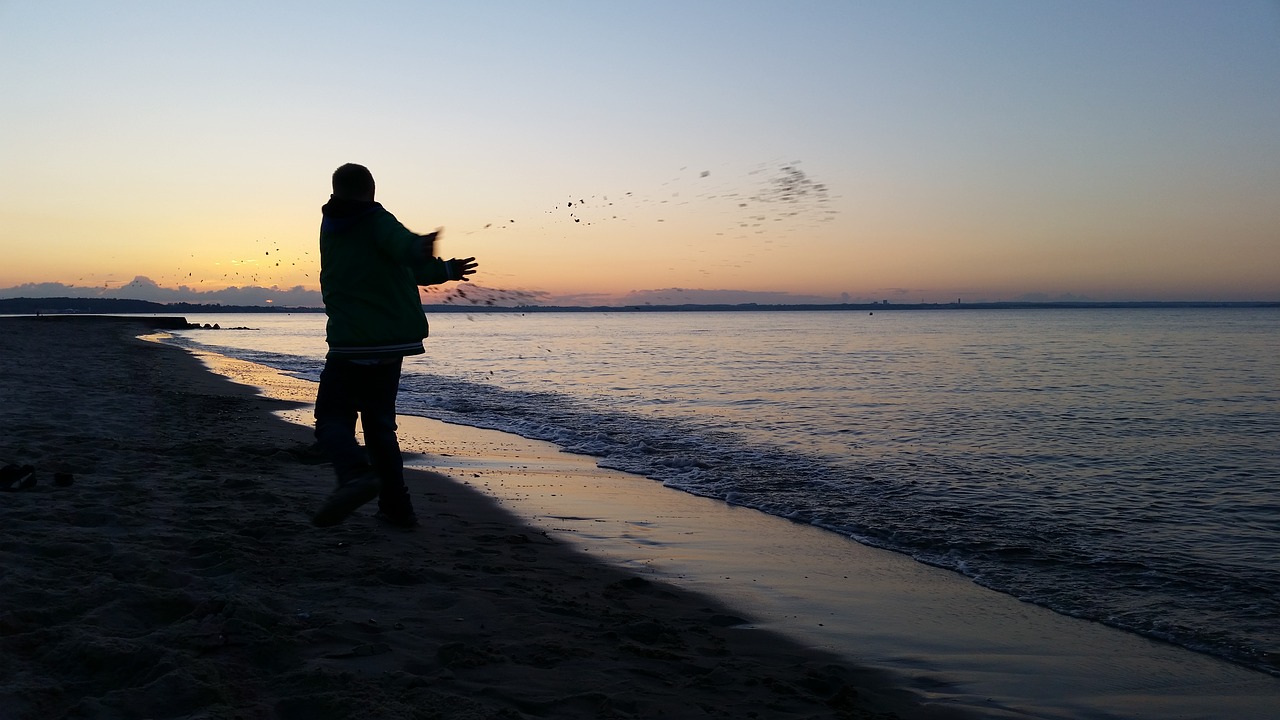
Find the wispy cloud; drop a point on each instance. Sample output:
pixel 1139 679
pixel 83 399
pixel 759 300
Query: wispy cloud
pixel 692 296
pixel 144 288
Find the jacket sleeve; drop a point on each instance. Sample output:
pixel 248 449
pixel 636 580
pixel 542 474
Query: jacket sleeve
pixel 405 248
pixel 397 242
pixel 430 271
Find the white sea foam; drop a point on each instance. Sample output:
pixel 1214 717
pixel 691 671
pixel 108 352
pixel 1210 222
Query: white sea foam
pixel 1038 452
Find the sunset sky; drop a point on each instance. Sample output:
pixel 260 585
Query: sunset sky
pixel 769 151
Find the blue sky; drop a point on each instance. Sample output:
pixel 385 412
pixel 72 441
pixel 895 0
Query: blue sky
pixel 983 150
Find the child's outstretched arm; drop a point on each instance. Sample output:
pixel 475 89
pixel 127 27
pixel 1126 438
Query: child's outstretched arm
pixel 434 271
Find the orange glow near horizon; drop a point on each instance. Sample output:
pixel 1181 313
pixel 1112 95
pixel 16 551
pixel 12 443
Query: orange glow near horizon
pixel 997 161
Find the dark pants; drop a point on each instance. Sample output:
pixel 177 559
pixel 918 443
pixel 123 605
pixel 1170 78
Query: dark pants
pixel 348 388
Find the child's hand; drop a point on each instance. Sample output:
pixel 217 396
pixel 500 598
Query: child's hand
pixel 460 269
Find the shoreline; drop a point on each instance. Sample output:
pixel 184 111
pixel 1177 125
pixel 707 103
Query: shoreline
pixel 950 640
pixel 178 576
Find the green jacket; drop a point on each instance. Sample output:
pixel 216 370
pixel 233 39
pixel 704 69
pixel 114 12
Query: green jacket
pixel 370 270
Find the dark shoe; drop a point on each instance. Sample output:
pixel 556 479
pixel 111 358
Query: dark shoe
pixel 312 454
pixel 346 499
pixel 400 519
pixel 394 506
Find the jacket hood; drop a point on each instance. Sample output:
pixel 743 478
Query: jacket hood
pixel 341 213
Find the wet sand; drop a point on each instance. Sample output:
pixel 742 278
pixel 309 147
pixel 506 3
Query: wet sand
pixel 952 642
pixel 178 576
pixel 944 636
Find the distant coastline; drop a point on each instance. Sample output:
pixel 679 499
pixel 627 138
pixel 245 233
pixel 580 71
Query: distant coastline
pixel 69 305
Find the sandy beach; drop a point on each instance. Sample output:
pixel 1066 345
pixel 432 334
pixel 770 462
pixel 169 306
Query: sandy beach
pixel 176 575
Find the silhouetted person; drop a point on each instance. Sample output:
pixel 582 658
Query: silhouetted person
pixel 370 270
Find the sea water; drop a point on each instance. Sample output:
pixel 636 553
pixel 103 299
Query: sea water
pixel 1119 465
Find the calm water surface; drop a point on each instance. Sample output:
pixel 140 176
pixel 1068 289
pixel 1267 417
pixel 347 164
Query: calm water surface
pixel 1117 465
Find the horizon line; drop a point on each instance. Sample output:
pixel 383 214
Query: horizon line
pixel 73 305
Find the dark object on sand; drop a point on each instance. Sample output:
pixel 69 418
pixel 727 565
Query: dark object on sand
pixel 13 477
pixel 8 476
pixel 63 479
